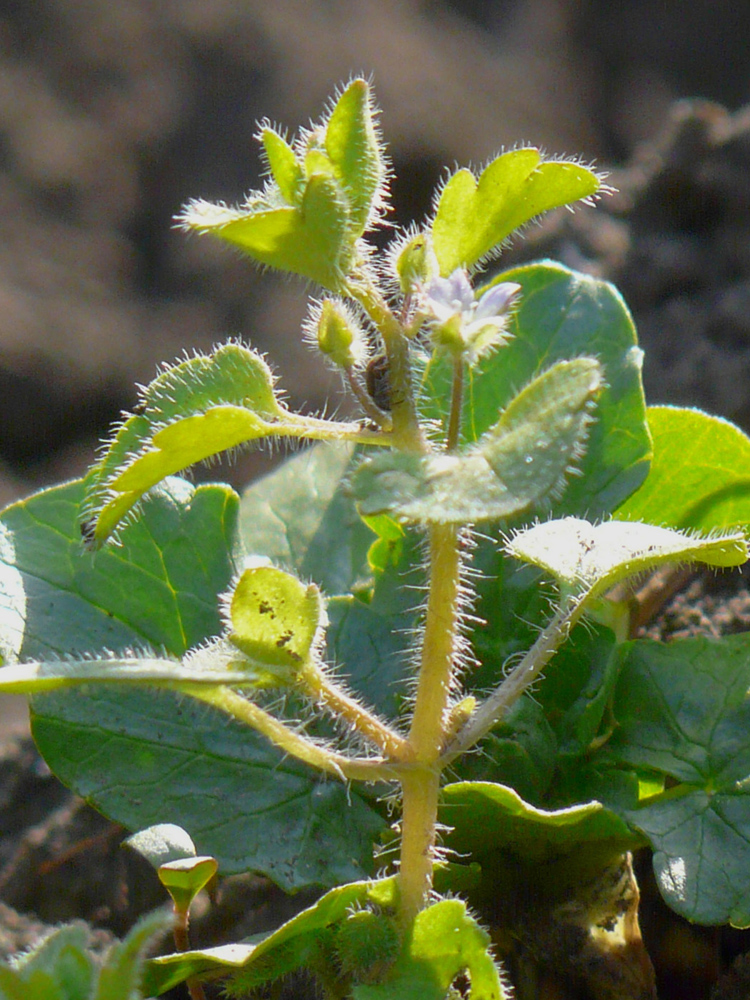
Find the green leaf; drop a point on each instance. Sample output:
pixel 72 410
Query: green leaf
pixel 592 558
pixel 312 240
pixel 445 942
pixel 563 315
pixel 700 473
pixel 162 843
pixel 122 973
pixel 682 711
pixel 232 376
pixel 145 756
pixel 352 144
pixel 149 756
pixel 275 619
pixel 486 817
pixel 517 463
pixel 474 217
pixel 184 878
pixel 157 589
pixel 301 518
pixel 276 954
pixel 282 162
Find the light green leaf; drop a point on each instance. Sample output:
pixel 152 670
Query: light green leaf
pixel 518 463
pixel 445 942
pixel 352 144
pixel 700 473
pixel 592 558
pixel 485 817
pixel 184 878
pixel 276 954
pixel 474 216
pixel 122 973
pixel 162 843
pixel 275 619
pixel 282 162
pixel 683 712
pixel 312 240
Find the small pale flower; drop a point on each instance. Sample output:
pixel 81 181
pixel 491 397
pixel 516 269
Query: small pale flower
pixel 463 324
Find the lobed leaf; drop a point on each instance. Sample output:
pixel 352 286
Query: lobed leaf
pixel 145 756
pixel 519 462
pixel 590 558
pixel 282 162
pixel 474 216
pixel 312 239
pixel 700 473
pixel 562 315
pixel 683 713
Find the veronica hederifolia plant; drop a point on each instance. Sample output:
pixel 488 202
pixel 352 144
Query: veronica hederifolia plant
pixel 513 405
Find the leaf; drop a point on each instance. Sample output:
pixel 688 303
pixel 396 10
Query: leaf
pixel 278 953
pixel 232 376
pixel 486 817
pixel 592 558
pixel 312 240
pixel 562 315
pixel 352 144
pixel 445 942
pixel 519 462
pixel 275 618
pixel 474 217
pixel 301 517
pixel 184 878
pixel 157 589
pixel 146 756
pixel 162 843
pixel 150 757
pixel 122 972
pixel 700 473
pixel 683 712
pixel 282 162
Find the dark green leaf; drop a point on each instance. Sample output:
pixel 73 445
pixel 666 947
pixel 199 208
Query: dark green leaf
pixel 683 711
pixel 563 315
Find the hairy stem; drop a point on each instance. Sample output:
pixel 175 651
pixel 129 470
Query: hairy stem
pixel 348 709
pixel 296 745
pixel 457 399
pixel 421 786
pixel 492 710
pixel 407 432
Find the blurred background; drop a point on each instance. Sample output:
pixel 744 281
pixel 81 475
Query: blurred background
pixel 112 115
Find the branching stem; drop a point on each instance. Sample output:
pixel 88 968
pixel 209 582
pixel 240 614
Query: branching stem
pixel 348 709
pixel 296 745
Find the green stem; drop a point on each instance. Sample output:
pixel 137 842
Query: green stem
pixel 348 709
pixel 407 432
pixel 492 710
pixel 358 769
pixel 421 786
pixel 457 399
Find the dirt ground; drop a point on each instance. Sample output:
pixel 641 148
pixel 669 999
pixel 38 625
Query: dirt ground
pixel 113 115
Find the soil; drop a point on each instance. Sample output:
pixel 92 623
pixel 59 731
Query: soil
pixel 112 115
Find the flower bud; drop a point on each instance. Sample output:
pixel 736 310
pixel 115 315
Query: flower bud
pixel 416 263
pixel 339 335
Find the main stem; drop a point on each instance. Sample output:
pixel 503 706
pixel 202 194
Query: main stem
pixel 421 786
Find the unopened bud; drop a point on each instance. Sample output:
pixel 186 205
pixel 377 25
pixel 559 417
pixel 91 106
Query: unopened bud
pixel 416 263
pixel 339 335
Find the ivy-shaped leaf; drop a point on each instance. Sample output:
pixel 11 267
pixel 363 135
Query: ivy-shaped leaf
pixel 474 216
pixel 519 462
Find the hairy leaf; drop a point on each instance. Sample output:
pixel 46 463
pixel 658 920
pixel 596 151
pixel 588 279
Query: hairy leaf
pixel 474 216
